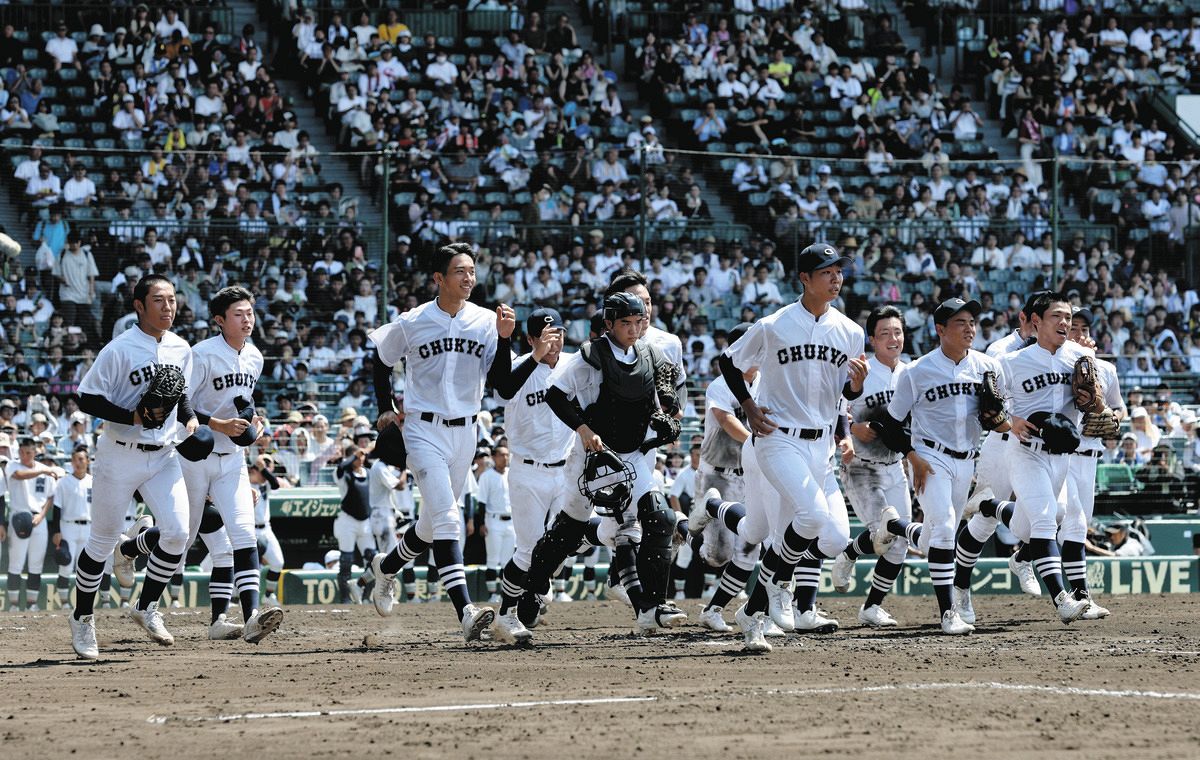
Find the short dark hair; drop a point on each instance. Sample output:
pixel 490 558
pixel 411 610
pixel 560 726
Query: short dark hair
pixel 1044 301
pixel 26 442
pixel 446 254
pixel 78 448
pixel 227 297
pixel 142 289
pixel 624 280
pixel 880 313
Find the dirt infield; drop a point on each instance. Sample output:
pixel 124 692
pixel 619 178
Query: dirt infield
pixel 1023 684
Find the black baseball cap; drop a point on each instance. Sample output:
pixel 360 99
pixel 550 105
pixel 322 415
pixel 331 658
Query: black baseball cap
pixel 951 306
pixel 540 319
pixel 1082 312
pixel 818 256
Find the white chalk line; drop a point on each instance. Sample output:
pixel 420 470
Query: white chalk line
pixel 160 719
pixel 1070 691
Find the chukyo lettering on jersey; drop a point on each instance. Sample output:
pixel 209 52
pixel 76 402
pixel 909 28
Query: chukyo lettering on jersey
pixel 812 352
pixel 451 345
pixel 952 389
pixel 879 400
pixel 535 398
pixel 234 380
pixel 1031 384
pixel 143 375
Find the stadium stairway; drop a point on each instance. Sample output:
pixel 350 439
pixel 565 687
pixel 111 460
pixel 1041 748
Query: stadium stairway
pixel 614 60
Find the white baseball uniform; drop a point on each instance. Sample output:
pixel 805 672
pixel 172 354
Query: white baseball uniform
pixel 73 497
pixel 219 375
pixel 1081 470
pixel 721 468
pixel 273 555
pixel 494 496
pixel 1037 380
pixel 28 495
pixel 940 395
pixel 131 457
pixel 539 444
pixel 803 363
pixel 388 504
pixel 446 363
pixel 875 478
pixel 352 531
pixel 992 469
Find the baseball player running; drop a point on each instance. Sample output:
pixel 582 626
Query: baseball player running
pixel 30 495
pixel 264 481
pixel 941 392
pixel 1040 379
pixel 809 355
pixel 71 518
pixel 135 453
pixel 391 502
pixel 1081 469
pixel 539 445
pixel 493 499
pixel 449 346
pixel 875 477
pixel 225 369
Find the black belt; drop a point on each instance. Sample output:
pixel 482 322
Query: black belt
pixel 804 434
pixel 456 422
pixel 876 462
pixel 949 452
pixel 78 522
pixel 140 446
pixel 1094 454
pixel 506 518
pixel 559 463
pixel 727 470
pixel 260 526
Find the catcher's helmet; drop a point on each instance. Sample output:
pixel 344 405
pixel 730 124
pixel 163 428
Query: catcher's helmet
pixel 62 554
pixel 620 305
pixel 22 524
pixel 606 481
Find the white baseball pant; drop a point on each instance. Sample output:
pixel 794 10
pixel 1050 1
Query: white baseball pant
pixel 871 487
pixel 945 495
pixel 157 476
pixel 76 535
pixel 1042 483
pixel 225 481
pixel 536 493
pixel 383 527
pixel 500 540
pixel 31 549
pixel 351 533
pixel 803 476
pixel 762 510
pixel 720 544
pixel 439 458
pixel 1081 497
pixel 274 554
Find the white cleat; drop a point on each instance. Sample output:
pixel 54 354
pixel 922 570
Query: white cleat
pixel 476 620
pixel 617 591
pixel 980 496
pixel 591 596
pixel 176 604
pixel 122 566
pixel 710 618
pixel 1069 608
pixel 698 517
pixel 383 596
pixel 881 538
pixel 150 619
pixel 876 617
pixel 779 604
pixel 355 591
pixel 508 629
pixel 1094 611
pixel 842 572
pixel 270 600
pixel 961 600
pixel 562 597
pixel 83 637
pixel 658 618
pixel 814 621
pixel 1025 575
pixel 223 629
pixel 33 608
pixel 954 625
pixel 495 599
pixel 261 624
pixel 752 630
pixel 772 631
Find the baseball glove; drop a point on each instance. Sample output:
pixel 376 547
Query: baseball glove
pixel 1085 386
pixel 1102 424
pixel 991 404
pixel 161 397
pixel 666 430
pixel 666 377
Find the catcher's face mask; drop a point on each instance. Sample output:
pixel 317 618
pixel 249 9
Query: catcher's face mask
pixel 607 481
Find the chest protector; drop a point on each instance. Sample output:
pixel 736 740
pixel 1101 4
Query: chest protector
pixel 621 413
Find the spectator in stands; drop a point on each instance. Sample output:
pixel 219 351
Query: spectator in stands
pixel 63 50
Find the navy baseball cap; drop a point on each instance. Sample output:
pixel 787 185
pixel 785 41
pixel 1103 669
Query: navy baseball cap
pixel 1082 312
pixel 818 256
pixel 948 308
pixel 540 319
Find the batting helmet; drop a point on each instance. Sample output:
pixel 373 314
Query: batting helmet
pixel 62 554
pixel 22 524
pixel 621 305
pixel 607 481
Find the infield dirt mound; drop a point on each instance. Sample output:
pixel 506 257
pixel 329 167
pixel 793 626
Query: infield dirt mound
pixel 341 682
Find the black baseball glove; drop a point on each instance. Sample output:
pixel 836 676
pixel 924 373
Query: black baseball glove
pixel 666 430
pixel 161 397
pixel 992 413
pixel 666 378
